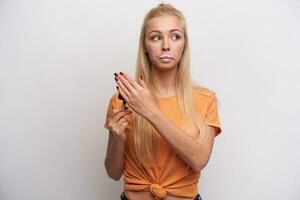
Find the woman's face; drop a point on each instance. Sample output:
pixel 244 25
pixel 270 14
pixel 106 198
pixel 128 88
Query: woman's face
pixel 164 42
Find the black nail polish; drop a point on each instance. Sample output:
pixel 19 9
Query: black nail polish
pixel 117 87
pixel 115 74
pixel 121 73
pixel 116 78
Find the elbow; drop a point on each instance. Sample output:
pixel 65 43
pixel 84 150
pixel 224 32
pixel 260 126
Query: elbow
pixel 114 177
pixel 112 174
pixel 198 165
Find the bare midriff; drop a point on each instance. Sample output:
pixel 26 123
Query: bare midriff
pixel 146 195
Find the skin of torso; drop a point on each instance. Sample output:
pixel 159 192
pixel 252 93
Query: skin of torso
pixel 146 195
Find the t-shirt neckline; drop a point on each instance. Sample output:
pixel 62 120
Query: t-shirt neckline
pixel 168 97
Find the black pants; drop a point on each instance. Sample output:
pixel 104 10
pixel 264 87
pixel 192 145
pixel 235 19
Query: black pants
pixel 123 197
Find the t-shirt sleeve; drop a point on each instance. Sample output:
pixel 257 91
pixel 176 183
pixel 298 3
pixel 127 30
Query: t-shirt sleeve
pixel 111 106
pixel 212 117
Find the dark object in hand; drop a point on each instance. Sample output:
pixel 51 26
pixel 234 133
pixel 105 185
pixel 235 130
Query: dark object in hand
pixel 121 98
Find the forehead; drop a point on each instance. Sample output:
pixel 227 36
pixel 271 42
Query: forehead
pixel 164 24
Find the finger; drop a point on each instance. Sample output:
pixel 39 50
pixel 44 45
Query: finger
pixel 123 91
pixel 120 111
pixel 116 122
pixel 122 81
pixel 121 124
pixel 115 111
pixel 126 77
pixel 120 115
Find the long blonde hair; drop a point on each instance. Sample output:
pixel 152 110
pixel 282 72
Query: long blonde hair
pixel 144 137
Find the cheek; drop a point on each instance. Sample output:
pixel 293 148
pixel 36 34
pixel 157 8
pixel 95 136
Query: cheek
pixel 151 53
pixel 179 51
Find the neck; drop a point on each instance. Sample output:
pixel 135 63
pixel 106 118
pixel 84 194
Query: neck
pixel 165 81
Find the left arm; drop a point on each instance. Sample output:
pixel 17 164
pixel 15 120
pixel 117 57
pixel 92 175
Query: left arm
pixel 194 153
pixel 138 97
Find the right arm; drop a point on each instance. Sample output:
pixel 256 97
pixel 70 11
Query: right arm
pixel 114 160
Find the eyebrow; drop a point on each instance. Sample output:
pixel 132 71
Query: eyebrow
pixel 172 30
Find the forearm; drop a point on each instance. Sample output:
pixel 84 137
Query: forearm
pixel 114 161
pixel 190 151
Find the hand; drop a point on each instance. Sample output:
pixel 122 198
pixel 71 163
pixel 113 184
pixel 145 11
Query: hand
pixel 117 123
pixel 136 94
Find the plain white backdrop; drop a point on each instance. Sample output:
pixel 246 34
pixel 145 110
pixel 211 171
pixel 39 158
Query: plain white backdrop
pixel 57 60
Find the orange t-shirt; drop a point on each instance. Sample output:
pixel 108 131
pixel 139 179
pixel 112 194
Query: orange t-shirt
pixel 172 175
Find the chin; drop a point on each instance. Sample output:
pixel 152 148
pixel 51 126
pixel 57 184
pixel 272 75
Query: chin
pixel 166 67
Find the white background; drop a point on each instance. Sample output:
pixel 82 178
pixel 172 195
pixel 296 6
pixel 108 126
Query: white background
pixel 57 61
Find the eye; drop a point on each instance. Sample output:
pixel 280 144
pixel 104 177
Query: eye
pixel 155 37
pixel 175 37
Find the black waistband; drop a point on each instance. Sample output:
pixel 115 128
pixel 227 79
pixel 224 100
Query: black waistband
pixel 123 197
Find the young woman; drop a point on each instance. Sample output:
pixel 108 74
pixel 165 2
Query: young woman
pixel 161 126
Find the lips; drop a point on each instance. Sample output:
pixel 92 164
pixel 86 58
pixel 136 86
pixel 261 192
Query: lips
pixel 164 56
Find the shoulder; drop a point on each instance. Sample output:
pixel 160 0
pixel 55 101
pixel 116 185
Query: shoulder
pixel 200 91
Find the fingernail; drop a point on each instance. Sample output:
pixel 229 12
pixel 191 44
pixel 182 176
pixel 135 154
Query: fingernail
pixel 115 74
pixel 141 77
pixel 117 87
pixel 116 78
pixel 126 107
pixel 121 73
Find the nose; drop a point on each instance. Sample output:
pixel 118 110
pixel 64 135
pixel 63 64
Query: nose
pixel 166 49
pixel 165 45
